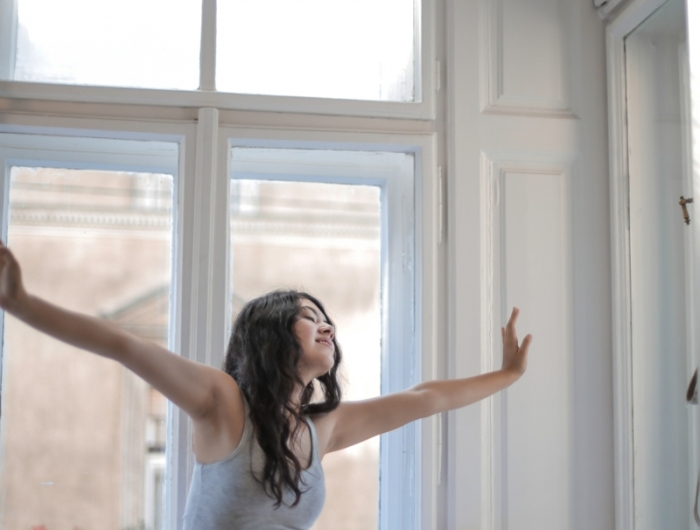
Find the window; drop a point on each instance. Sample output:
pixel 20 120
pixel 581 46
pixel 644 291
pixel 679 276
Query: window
pixel 267 47
pixel 367 52
pixel 339 220
pixel 264 55
pixel 83 438
pixel 153 44
pixel 199 138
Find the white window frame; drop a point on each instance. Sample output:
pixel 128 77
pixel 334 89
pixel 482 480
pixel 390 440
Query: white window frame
pixel 18 147
pixel 620 27
pixel 413 503
pixel 202 220
pixel 424 106
pixel 154 464
pixel 400 364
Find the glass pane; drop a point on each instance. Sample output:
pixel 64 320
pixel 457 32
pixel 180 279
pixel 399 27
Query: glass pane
pixel 362 49
pixel 135 43
pixel 659 174
pixel 324 239
pixel 83 439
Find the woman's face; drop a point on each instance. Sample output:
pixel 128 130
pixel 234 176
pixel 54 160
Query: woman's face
pixel 315 336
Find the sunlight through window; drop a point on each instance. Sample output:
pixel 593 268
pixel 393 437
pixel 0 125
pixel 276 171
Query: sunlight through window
pixel 355 50
pixel 135 43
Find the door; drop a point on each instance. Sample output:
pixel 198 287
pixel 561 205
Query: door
pixel 662 258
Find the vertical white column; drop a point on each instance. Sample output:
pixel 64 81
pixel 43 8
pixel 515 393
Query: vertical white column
pixel 202 223
pixel 693 238
pixel 207 340
pixel 8 37
pixel 207 51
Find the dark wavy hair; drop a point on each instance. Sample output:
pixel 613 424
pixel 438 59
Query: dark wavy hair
pixel 262 357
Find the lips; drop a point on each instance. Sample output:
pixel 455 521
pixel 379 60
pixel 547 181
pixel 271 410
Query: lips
pixel 326 342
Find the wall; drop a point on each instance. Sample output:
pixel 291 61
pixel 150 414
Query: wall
pixel 528 226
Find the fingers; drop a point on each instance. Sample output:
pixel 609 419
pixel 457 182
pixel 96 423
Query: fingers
pixel 525 344
pixel 509 332
pixel 513 317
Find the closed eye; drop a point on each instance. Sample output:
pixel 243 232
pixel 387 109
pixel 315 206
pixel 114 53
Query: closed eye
pixel 312 315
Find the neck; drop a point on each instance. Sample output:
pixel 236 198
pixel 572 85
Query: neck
pixel 296 397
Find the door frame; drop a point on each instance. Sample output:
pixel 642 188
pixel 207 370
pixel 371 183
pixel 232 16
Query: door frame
pixel 617 30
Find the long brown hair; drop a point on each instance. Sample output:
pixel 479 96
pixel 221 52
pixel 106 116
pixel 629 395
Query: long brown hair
pixel 262 357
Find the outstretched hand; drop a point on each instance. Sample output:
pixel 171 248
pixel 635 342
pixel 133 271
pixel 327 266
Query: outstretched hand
pixel 514 355
pixel 12 291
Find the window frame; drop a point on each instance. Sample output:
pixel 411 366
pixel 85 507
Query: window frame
pixel 426 471
pixel 423 107
pixel 400 366
pixel 199 320
pixel 21 146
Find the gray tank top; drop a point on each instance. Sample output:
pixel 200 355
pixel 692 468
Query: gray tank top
pixel 224 495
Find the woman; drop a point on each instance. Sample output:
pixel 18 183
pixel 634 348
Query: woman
pixel 258 437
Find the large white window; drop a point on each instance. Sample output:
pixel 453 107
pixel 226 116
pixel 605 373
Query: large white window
pixel 207 130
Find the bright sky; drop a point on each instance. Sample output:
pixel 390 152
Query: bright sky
pixel 361 49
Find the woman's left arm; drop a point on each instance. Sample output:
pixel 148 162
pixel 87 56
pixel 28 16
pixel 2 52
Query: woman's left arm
pixel 354 422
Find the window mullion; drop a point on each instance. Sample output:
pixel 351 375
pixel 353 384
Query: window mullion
pixel 207 54
pixel 8 37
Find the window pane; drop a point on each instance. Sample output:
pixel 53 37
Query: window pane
pixel 135 43
pixel 83 438
pixel 324 239
pixel 362 49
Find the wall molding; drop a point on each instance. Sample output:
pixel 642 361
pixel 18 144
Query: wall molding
pixel 625 21
pixel 495 167
pixel 494 99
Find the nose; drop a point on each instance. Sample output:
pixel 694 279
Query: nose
pixel 328 330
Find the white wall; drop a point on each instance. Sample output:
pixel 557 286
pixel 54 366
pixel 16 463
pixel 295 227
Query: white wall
pixel 528 226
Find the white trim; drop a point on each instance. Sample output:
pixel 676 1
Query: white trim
pixel 606 7
pixel 622 25
pixel 423 476
pixel 220 100
pixel 8 37
pixel 493 98
pixel 488 202
pixel 157 155
pixel 494 168
pixel 178 446
pixel 93 153
pixel 154 464
pixel 207 52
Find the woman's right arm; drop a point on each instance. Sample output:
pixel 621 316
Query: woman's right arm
pixel 193 387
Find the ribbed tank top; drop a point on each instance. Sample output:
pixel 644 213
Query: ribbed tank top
pixel 224 495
